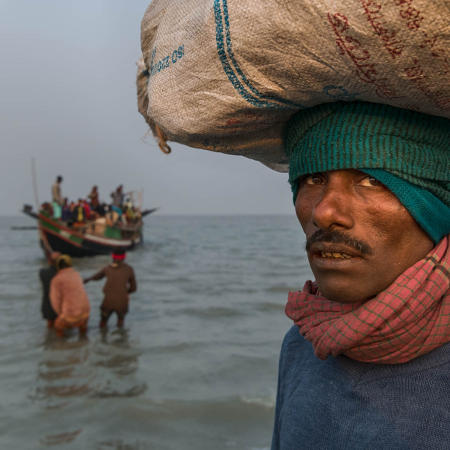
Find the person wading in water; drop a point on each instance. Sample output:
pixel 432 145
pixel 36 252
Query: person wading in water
pixel 68 298
pixel 366 364
pixel 46 275
pixel 120 282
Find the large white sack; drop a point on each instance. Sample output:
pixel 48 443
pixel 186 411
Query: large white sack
pixel 225 75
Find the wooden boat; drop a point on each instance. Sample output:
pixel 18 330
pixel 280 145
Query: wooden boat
pixel 85 240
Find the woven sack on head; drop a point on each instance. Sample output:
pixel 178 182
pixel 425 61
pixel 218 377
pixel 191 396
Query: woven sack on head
pixel 225 75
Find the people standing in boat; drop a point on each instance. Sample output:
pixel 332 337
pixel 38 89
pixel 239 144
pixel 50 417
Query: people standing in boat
pixel 79 213
pixel 99 225
pixel 112 216
pixel 102 209
pixel 57 200
pixel 57 211
pixel 66 213
pixel 129 211
pixel 94 198
pixel 120 283
pixel 56 191
pixel 118 196
pixel 46 275
pixel 68 298
pixel 87 209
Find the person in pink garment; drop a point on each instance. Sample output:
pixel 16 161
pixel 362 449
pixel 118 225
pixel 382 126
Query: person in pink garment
pixel 68 298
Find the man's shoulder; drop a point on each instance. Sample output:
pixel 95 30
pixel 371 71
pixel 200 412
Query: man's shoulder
pixel 68 273
pixel 122 268
pixel 296 350
pixel 128 267
pixel 58 277
pixel 293 337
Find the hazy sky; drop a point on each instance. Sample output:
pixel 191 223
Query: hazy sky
pixel 68 99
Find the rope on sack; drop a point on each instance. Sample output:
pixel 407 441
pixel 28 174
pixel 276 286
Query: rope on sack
pixel 162 140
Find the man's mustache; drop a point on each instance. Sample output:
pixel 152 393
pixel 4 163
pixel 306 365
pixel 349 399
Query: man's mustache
pixel 336 237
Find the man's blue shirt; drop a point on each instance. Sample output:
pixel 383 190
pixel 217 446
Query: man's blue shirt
pixel 340 403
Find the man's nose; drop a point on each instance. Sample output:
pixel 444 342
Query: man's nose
pixel 333 210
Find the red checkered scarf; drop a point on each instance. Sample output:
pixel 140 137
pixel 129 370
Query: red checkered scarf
pixel 408 319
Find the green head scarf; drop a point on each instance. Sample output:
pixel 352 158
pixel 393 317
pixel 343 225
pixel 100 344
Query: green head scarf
pixel 407 151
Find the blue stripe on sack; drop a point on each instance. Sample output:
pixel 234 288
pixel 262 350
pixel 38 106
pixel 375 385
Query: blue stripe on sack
pixel 229 70
pixel 226 66
pixel 238 69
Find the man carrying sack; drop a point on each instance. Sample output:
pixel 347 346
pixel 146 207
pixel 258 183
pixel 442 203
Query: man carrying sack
pixel 367 361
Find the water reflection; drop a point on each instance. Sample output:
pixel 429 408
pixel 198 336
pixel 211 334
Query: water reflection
pixel 75 367
pixel 63 372
pixel 75 370
pixel 118 362
pixel 62 438
pixel 120 444
pixel 118 355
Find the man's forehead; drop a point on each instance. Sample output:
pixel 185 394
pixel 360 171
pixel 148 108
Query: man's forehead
pixel 349 172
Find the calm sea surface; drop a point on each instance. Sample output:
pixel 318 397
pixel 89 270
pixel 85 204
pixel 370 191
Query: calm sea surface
pixel 195 366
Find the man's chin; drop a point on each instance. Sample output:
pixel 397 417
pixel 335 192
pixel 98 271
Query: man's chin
pixel 342 294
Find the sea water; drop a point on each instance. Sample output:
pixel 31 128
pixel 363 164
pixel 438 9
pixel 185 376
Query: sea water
pixel 195 366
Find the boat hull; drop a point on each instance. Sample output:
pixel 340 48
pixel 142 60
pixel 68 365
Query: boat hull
pixel 66 240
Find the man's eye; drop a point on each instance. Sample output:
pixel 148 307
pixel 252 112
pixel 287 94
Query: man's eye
pixel 315 178
pixel 369 182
